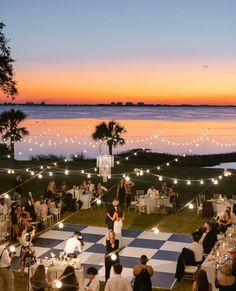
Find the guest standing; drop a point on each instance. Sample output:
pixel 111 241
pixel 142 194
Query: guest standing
pixel 117 282
pixel 110 212
pixel 91 283
pixel 143 273
pixel 121 192
pixel 112 246
pixel 118 218
pixel 6 274
pixel 27 252
pixel 201 283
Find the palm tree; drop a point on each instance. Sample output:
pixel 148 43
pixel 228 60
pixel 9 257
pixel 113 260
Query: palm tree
pixel 109 132
pixel 9 127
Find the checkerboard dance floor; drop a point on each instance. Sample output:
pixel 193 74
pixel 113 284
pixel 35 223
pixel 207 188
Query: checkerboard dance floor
pixel 162 250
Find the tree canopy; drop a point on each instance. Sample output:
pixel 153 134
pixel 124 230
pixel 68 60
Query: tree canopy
pixel 7 82
pixel 110 133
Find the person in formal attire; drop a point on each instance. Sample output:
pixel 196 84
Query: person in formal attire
pixel 52 192
pixel 208 238
pixel 17 186
pixel 3 207
pixel 164 189
pixel 173 195
pixel 121 192
pixel 196 247
pixel 91 283
pixel 110 212
pixel 201 283
pixel 117 282
pixel 225 220
pixel 29 207
pixel 118 218
pixel 6 274
pixel 128 194
pixel 143 273
pixel 227 282
pixel 39 281
pixel 27 252
pixel 73 244
pixel 112 246
pixel 69 280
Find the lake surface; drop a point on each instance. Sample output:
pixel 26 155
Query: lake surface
pixel 67 129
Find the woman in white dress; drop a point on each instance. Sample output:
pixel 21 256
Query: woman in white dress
pixel 118 218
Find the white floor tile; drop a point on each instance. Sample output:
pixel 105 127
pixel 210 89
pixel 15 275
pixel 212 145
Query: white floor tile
pixel 95 230
pixel 152 235
pixel 163 266
pixel 137 252
pixel 40 251
pixel 57 234
pixel 173 246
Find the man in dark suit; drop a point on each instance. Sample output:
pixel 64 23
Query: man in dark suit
pixel 209 237
pixel 111 209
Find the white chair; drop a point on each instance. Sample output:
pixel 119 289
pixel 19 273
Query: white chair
pixel 199 206
pixel 157 207
pixel 57 211
pixel 139 192
pixel 190 272
pixel 139 206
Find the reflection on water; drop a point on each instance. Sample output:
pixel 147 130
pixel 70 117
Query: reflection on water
pixel 71 136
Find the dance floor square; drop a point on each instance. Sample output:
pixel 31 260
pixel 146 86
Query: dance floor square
pixel 166 255
pixel 162 249
pixel 147 243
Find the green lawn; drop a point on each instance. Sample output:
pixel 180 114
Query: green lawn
pixel 185 221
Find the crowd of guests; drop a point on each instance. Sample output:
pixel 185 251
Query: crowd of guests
pixel 203 242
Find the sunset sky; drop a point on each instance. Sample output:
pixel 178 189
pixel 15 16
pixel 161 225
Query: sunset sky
pixel 99 51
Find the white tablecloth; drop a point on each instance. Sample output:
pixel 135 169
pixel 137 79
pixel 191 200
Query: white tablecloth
pixel 220 206
pixel 3 230
pixel 209 267
pixel 86 199
pixel 149 201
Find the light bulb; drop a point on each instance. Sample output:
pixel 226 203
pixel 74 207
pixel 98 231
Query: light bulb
pixel 160 178
pixel 58 284
pixel 127 178
pixel 113 257
pixel 190 205
pixel 99 201
pixel 156 230
pixel 12 249
pixel 40 176
pixel 60 225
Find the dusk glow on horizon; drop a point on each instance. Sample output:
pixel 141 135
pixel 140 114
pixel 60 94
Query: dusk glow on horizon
pixel 159 51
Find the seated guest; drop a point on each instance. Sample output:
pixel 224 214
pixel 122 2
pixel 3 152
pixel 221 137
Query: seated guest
pixel 63 188
pixel 91 283
pixel 225 220
pixel 227 282
pixel 196 247
pixel 74 243
pixel 143 273
pixel 151 191
pixel 69 202
pixel 201 283
pixel 90 186
pixel 39 281
pixel 69 280
pixel 208 238
pixel 101 188
pixel 117 282
pixel 52 192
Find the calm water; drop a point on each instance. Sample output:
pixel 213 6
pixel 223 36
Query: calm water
pixel 67 129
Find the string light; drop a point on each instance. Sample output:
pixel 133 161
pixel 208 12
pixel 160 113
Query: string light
pixel 191 206
pixel 60 225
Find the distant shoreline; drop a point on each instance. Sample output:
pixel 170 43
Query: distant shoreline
pixel 116 105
